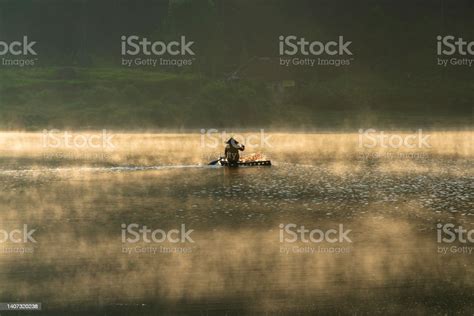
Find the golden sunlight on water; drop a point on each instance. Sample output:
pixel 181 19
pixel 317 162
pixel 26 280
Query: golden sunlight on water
pixel 85 148
pixel 391 200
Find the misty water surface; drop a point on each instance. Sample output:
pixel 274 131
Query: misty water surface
pixel 237 264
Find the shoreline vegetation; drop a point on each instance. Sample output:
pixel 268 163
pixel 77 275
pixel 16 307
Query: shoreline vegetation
pixel 77 98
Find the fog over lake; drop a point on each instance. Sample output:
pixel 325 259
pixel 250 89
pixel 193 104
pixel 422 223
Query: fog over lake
pixel 382 206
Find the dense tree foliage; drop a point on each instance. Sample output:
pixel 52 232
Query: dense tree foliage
pixel 235 78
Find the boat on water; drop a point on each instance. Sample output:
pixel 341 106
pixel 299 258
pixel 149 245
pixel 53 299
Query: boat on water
pixel 225 163
pixel 241 163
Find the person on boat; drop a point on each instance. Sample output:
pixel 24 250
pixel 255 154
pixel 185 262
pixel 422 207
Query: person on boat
pixel 232 151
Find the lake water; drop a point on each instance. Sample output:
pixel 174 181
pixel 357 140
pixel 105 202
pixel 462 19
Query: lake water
pixel 235 261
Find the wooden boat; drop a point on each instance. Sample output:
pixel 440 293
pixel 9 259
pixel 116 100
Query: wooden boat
pixel 225 163
pixel 243 163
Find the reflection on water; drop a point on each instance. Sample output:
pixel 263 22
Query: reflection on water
pixel 237 264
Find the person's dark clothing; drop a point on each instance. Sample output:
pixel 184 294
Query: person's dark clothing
pixel 232 152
